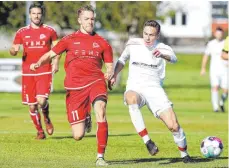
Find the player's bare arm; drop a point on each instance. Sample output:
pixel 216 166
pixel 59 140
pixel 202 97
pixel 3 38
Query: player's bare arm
pixel 169 58
pixel 118 67
pixel 55 60
pixel 14 49
pixel 204 64
pixel 109 71
pixel 43 60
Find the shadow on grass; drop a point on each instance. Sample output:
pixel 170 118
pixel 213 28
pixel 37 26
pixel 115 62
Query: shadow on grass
pixel 91 136
pixel 167 160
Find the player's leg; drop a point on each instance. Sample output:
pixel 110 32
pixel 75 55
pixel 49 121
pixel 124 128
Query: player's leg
pixel 134 102
pixel 36 118
pixel 224 86
pixel 88 121
pixel 76 112
pixel 161 107
pixel 29 98
pixel 168 116
pixel 43 87
pixel 98 97
pixel 214 92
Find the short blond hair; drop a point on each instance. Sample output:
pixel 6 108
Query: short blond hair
pixel 85 8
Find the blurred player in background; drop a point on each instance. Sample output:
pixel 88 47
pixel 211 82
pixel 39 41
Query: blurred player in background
pixel 225 49
pixel 146 68
pixel 218 70
pixel 37 39
pixel 85 82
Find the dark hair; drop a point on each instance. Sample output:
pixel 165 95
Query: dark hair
pixel 37 5
pixel 219 29
pixel 85 8
pixel 154 24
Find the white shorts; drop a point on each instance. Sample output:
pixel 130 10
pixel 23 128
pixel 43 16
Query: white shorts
pixel 154 97
pixel 219 80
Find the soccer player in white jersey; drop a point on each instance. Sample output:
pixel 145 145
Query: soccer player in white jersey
pixel 146 70
pixel 218 70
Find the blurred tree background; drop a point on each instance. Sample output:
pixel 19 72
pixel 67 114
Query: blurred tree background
pixel 120 16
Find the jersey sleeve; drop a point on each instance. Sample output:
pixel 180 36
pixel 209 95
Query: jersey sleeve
pixel 107 53
pixel 18 38
pixel 207 50
pixel 125 55
pixel 226 43
pixel 170 52
pixel 60 47
pixel 54 36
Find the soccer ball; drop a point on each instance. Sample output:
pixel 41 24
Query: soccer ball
pixel 211 147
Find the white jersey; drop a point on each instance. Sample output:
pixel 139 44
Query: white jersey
pixel 214 49
pixel 144 68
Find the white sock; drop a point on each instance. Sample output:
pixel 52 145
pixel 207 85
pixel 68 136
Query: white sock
pixel 100 155
pixel 215 99
pixel 180 140
pixel 137 120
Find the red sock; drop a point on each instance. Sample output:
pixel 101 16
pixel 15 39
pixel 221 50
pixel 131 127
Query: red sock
pixel 35 116
pixel 143 133
pixel 102 136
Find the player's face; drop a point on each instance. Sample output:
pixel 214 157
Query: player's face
pixel 35 16
pixel 218 35
pixel 150 35
pixel 87 21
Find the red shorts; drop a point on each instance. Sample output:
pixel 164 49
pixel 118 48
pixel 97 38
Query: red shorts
pixel 33 86
pixel 78 102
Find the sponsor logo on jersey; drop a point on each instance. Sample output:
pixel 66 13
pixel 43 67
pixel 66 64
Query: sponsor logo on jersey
pixel 76 43
pixel 35 44
pixel 42 36
pixel 95 45
pixel 86 53
pixel 140 64
pixel 27 36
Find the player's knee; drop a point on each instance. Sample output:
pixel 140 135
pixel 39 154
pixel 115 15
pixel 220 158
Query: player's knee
pixel 77 138
pixel 32 108
pixel 42 101
pixel 131 97
pixel 100 109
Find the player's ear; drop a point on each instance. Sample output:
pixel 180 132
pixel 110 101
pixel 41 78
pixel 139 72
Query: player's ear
pixel 79 20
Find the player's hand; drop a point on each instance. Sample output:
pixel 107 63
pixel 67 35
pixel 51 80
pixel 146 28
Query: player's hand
pixel 111 82
pixel 14 49
pixel 203 72
pixel 33 67
pixel 157 53
pixel 108 75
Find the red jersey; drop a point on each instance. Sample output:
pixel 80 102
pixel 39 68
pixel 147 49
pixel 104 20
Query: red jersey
pixel 36 42
pixel 84 59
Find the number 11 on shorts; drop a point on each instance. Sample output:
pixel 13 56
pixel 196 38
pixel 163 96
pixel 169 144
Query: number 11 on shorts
pixel 75 115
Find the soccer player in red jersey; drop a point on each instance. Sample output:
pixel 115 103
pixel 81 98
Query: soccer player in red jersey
pixel 36 39
pixel 85 82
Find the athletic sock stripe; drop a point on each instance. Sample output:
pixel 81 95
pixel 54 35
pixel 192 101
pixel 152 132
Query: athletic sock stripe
pixel 143 133
pixel 182 149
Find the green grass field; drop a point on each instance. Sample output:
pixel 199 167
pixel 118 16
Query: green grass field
pixel 189 92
